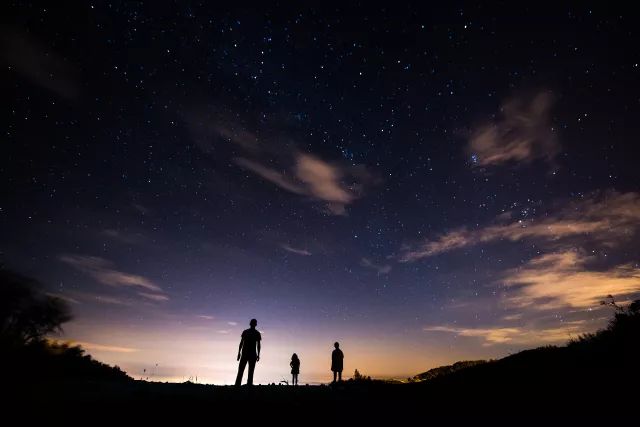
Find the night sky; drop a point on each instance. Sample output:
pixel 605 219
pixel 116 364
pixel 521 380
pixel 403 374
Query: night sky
pixel 422 185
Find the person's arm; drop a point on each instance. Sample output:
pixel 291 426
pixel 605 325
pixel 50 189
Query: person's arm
pixel 258 357
pixel 240 347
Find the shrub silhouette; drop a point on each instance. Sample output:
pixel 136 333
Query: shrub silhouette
pixel 620 337
pixel 596 360
pixel 357 376
pixel 26 315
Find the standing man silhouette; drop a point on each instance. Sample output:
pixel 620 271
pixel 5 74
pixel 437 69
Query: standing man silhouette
pixel 336 362
pixel 248 351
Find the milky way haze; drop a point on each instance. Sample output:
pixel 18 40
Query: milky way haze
pixel 421 185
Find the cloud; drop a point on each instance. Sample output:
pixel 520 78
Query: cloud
pixel 232 323
pixel 561 280
pixel 103 272
pixel 39 63
pixel 273 157
pixel 63 297
pixel 209 124
pixel 82 297
pixel 515 335
pixel 511 317
pixel 123 237
pixel 337 186
pixel 563 283
pixel 154 297
pixel 272 175
pixel 247 140
pixel 205 317
pixel 109 300
pixel 323 179
pixel 522 134
pixel 447 242
pixel 296 251
pixel 380 268
pixel 140 208
pixel 559 283
pixel 608 218
pixel 100 347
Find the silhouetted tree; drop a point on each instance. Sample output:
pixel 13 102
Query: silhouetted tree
pixel 357 376
pixel 610 301
pixel 26 314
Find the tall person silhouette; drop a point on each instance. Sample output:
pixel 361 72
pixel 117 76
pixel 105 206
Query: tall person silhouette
pixel 336 362
pixel 248 351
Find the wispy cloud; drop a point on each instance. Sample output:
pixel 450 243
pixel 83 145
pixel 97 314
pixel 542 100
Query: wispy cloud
pixel 608 218
pixel 296 251
pixel 104 299
pixel 247 140
pixel 154 297
pixel 540 294
pixel 279 178
pixel 89 346
pixel 512 317
pixel 522 134
pixel 379 268
pixel 205 317
pixel 63 297
pixel 140 208
pixel 447 242
pixel 562 280
pixel 104 272
pixel 210 125
pixel 324 181
pixel 124 237
pixel 232 323
pixel 39 63
pixel 84 297
pixel 543 293
pixel 337 186
pixel 515 335
pixel 272 155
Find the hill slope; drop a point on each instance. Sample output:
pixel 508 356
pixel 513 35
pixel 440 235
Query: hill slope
pixel 605 359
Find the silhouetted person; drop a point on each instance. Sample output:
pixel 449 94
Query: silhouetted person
pixel 336 362
pixel 295 369
pixel 248 351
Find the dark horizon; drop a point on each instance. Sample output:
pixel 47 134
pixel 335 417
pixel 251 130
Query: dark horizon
pixel 422 184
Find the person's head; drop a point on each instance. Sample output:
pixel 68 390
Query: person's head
pixel 294 357
pixel 253 323
pixel 336 344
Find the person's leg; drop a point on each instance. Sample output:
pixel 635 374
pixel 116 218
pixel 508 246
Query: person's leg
pixel 334 376
pixel 293 379
pixel 252 367
pixel 241 365
pixel 339 375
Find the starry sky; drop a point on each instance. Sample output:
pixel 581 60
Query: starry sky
pixel 422 184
